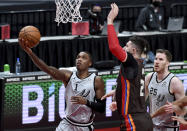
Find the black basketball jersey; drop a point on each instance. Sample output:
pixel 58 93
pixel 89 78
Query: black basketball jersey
pixel 129 93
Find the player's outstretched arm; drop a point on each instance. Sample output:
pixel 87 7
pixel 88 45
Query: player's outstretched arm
pixel 113 41
pixel 62 75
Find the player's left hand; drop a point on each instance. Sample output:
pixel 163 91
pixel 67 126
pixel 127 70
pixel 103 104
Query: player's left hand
pixel 78 100
pixel 23 44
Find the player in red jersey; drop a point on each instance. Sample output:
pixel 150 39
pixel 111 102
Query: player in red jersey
pixel 129 100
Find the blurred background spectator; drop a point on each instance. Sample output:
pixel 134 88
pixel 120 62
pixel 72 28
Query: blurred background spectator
pixel 150 17
pixel 96 20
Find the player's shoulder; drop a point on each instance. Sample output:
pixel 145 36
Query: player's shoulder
pixel 176 85
pixel 175 80
pixel 149 75
pixel 148 78
pixel 98 78
pixel 99 83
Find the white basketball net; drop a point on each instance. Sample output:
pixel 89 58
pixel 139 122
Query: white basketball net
pixel 68 11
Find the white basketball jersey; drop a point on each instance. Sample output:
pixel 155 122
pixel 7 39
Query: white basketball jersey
pixel 79 87
pixel 159 93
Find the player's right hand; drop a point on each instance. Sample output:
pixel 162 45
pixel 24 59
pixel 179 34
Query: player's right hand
pixel 113 13
pixel 112 93
pixel 23 44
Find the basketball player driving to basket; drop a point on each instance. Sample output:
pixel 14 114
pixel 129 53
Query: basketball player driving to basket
pixel 83 91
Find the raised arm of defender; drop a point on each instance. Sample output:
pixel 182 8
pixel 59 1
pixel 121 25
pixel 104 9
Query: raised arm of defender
pixel 113 41
pixel 114 46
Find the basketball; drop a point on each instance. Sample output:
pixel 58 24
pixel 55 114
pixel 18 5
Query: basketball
pixel 30 34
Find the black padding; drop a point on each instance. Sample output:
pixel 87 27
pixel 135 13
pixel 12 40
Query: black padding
pixel 102 65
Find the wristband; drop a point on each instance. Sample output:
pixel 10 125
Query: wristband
pixel 98 106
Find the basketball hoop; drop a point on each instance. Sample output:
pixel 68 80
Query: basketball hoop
pixel 68 11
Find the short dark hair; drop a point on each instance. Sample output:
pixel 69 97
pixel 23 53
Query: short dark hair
pixel 166 52
pixel 90 56
pixel 141 44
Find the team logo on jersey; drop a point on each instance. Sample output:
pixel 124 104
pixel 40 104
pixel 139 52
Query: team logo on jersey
pixel 159 99
pixel 164 84
pixel 83 93
pixel 78 83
